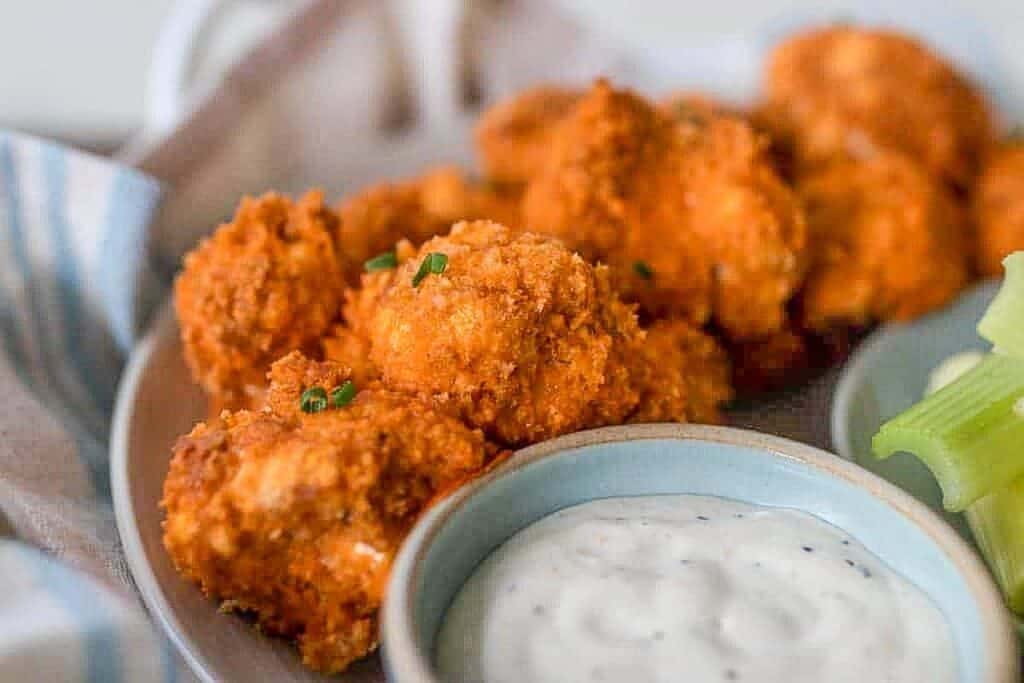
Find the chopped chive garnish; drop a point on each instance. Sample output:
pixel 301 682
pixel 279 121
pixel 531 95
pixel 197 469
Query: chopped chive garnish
pixel 642 269
pixel 434 263
pixel 385 261
pixel 343 395
pixel 968 433
pixel 313 400
pixel 1003 322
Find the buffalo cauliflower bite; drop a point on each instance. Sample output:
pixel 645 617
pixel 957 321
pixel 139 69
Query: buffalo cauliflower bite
pixel 998 208
pixel 850 92
pixel 518 335
pixel 691 219
pixel 374 220
pixel 450 194
pixel 267 283
pixel 515 136
pixel 295 517
pixel 697 108
pixel 350 348
pixel 682 375
pixel 890 243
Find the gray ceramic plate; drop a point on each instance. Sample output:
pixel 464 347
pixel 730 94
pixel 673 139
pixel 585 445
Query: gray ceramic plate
pixel 889 373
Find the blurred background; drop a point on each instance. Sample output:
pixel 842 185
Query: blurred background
pixel 79 71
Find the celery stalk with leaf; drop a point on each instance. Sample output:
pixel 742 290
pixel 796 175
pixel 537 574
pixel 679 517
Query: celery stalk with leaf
pixel 970 434
pixel 1003 322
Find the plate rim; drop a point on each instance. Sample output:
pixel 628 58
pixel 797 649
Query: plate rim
pixel 156 603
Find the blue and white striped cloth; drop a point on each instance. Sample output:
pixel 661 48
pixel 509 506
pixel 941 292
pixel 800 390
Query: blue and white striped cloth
pixel 75 287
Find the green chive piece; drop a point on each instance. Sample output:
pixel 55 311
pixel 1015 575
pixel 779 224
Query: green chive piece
pixel 1003 322
pixel 968 433
pixel 385 261
pixel 434 262
pixel 644 270
pixel 997 523
pixel 438 263
pixel 313 400
pixel 343 395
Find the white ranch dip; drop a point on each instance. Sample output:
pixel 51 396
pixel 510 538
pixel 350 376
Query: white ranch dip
pixel 689 588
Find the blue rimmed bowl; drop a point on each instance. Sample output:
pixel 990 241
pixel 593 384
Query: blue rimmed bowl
pixel 456 535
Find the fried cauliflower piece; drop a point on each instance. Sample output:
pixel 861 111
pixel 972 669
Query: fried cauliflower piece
pixel 765 365
pixel 351 349
pixel 787 358
pixel 374 220
pixel 697 108
pixel 267 283
pixel 997 208
pixel 691 219
pixel 449 194
pixel 515 136
pixel 296 517
pixel 850 93
pixel 683 375
pixel 519 336
pixel 890 243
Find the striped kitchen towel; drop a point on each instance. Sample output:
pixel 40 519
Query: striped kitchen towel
pixel 75 287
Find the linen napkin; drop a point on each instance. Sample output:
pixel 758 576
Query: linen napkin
pixel 73 284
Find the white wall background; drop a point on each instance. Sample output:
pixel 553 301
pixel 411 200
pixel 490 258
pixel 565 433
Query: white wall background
pixel 76 69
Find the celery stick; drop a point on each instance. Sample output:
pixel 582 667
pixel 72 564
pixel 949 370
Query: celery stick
pixel 997 522
pixel 1003 322
pixel 968 434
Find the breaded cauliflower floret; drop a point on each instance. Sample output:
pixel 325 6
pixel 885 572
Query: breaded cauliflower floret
pixel 682 375
pixel 377 218
pixel 267 283
pixel 350 348
pixel 998 208
pixel 853 92
pixel 296 517
pixel 515 136
pixel 518 335
pixel 890 243
pixel 690 216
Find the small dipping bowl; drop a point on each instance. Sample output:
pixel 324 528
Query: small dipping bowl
pixel 639 460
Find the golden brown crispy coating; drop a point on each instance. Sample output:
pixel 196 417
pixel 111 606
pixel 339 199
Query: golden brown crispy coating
pixel 448 193
pixel 350 348
pixel 515 136
pixel 851 92
pixel 697 108
pixel 682 374
pixel 296 517
pixel 518 335
pixel 377 218
pixel 997 206
pixel 267 283
pixel 692 219
pixel 890 243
